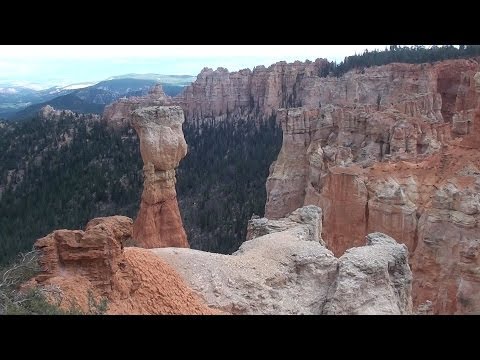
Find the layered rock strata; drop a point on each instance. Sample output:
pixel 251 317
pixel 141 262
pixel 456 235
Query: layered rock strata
pixel 408 176
pixel 442 91
pixel 372 148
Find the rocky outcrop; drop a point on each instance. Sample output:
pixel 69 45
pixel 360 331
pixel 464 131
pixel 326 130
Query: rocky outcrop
pixel 283 258
pixel 288 175
pixel 402 173
pixel 162 145
pixel 469 265
pixel 323 161
pixel 288 258
pixel 472 139
pixel 94 253
pixel 373 279
pixel 94 263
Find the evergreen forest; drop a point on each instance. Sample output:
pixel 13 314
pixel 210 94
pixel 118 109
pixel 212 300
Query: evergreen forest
pixel 60 173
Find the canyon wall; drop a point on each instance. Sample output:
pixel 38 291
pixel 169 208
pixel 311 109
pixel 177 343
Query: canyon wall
pixel 409 169
pixel 441 91
pixel 246 94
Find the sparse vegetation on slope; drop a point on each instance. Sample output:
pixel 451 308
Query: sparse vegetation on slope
pixel 18 299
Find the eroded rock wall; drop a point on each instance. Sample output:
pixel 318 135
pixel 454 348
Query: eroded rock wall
pixel 443 91
pixel 403 173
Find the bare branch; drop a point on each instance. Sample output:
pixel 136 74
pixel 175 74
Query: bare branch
pixel 10 279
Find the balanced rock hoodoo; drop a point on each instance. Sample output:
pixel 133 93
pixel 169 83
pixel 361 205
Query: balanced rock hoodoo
pixel 162 145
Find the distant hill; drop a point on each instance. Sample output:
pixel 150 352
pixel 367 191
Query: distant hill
pixel 93 99
pixel 13 98
pixel 181 80
pixel 19 99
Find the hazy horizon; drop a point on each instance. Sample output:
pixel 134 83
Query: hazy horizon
pixel 49 65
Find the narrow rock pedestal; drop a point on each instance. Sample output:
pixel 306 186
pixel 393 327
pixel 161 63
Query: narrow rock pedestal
pixel 162 145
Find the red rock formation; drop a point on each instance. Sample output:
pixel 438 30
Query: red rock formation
pixel 414 183
pixel 472 139
pixel 131 279
pixel 283 258
pixel 286 192
pixel 344 200
pixel 246 94
pixel 84 253
pixel 437 91
pixel 444 190
pixel 162 145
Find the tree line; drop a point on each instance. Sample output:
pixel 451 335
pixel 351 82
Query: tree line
pixel 402 54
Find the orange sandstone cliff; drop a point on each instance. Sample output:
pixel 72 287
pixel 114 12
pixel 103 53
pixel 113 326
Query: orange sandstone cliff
pixel 441 91
pixel 406 165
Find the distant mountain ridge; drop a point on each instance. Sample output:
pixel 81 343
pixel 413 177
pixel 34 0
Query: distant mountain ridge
pixel 20 102
pixel 93 99
pixel 13 98
pixel 181 80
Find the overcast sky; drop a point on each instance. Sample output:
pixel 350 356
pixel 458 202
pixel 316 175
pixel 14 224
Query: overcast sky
pixel 66 64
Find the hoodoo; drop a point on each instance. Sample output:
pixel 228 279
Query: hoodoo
pixel 162 145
